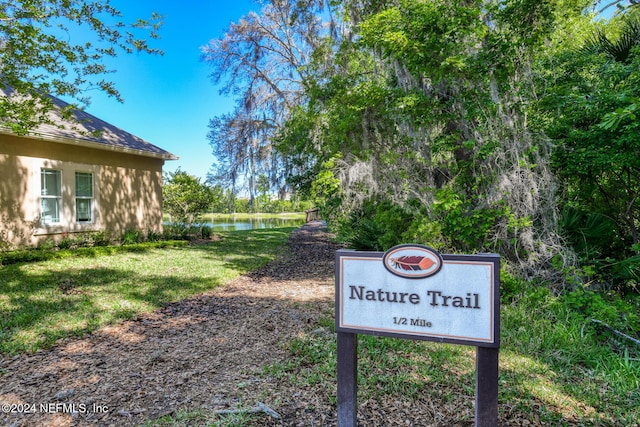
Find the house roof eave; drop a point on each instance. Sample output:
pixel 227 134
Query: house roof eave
pixel 93 144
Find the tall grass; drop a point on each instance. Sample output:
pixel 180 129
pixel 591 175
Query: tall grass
pixel 555 368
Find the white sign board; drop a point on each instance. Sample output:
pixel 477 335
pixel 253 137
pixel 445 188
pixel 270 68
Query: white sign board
pixel 411 291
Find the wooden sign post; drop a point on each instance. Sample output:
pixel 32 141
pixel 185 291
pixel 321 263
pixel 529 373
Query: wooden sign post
pixel 413 292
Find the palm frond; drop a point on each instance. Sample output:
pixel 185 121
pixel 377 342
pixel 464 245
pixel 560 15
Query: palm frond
pixel 619 49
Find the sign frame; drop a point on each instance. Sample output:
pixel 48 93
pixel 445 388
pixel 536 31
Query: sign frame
pixel 487 352
pixel 485 259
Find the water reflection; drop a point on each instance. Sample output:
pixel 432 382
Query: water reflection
pixel 254 223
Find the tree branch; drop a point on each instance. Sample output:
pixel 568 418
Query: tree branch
pixel 616 332
pixel 260 407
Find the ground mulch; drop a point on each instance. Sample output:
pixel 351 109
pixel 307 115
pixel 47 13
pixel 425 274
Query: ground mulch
pixel 205 354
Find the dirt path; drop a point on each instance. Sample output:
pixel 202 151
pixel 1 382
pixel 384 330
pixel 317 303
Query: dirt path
pixel 203 354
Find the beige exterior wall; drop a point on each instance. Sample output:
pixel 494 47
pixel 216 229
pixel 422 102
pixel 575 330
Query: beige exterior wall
pixel 127 189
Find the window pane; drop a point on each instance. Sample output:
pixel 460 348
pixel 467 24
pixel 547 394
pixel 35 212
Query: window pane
pixel 50 191
pixel 50 211
pixel 83 210
pixel 84 184
pixel 50 181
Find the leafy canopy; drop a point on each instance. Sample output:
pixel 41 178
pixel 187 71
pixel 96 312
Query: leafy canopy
pixel 59 48
pixel 185 198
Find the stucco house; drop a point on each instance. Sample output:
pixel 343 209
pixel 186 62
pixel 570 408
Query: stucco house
pixel 81 177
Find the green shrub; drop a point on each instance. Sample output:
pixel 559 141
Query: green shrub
pixel 377 225
pixel 66 242
pixel 132 236
pixel 47 244
pixel 101 238
pixel 590 233
pixel 206 232
pixel 154 236
pixel 175 232
pixel 601 256
pixel 19 256
pixel 608 308
pixel 85 240
pixel 365 237
pixel 465 226
pixel 35 255
pixel 425 231
pixel 510 287
pixel 393 221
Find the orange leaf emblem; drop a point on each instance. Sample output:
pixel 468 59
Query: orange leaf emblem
pixel 413 262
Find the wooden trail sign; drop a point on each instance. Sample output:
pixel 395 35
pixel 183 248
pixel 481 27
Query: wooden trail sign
pixel 413 292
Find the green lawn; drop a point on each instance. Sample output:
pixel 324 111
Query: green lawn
pixel 42 302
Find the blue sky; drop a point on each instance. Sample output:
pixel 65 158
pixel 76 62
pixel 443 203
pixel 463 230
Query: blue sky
pixel 168 100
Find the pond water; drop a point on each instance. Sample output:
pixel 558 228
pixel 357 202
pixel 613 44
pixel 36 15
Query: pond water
pixel 228 224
